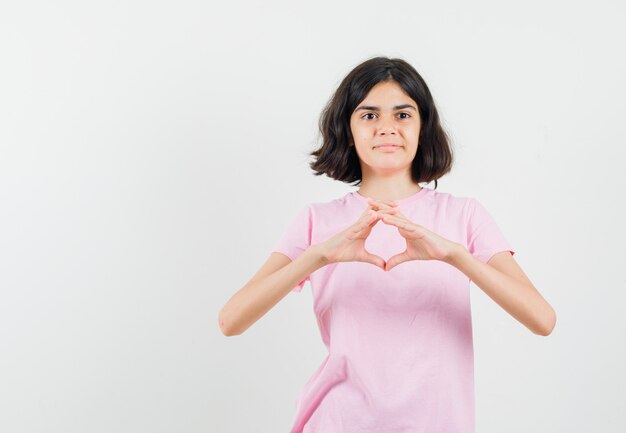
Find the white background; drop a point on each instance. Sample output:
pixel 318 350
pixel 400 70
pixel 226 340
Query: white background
pixel 151 153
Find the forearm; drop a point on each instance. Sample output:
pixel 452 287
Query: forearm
pixel 520 299
pixel 257 297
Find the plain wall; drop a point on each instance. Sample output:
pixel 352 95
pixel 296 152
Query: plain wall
pixel 151 153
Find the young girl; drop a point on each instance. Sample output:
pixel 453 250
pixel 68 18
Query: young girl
pixel 389 267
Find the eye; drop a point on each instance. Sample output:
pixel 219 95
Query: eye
pixel 372 114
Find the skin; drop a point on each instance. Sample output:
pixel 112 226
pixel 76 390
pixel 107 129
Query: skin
pixel 386 177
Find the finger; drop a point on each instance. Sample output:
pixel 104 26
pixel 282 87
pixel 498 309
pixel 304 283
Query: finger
pixel 391 211
pixel 367 218
pixel 400 214
pixel 382 205
pixel 396 260
pixel 375 260
pixel 398 222
pixel 378 207
pixel 387 216
pixel 382 202
pixel 367 210
pixel 359 228
pixel 393 216
pixel 370 218
pixel 385 212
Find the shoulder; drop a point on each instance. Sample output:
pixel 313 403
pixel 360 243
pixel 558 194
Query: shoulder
pixel 333 206
pixel 307 215
pixel 451 202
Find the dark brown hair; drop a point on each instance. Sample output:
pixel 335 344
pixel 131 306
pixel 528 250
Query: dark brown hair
pixel 337 157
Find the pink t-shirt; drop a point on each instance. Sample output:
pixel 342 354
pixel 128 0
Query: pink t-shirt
pixel 400 349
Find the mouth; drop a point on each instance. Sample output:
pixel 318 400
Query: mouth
pixel 387 146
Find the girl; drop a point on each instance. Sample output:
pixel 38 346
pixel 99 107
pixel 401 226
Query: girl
pixel 390 267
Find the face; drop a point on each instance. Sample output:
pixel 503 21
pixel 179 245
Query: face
pixel 389 116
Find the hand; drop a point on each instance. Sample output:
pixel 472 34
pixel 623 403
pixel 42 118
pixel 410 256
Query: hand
pixel 349 245
pixel 421 244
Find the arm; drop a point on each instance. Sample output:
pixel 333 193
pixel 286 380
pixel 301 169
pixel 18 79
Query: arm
pixel 504 281
pixel 259 295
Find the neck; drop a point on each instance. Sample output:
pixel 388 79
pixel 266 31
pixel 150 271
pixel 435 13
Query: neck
pixel 388 191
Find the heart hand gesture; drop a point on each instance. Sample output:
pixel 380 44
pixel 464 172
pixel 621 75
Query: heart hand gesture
pixel 421 244
pixel 349 244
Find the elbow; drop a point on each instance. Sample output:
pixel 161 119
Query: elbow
pixel 225 325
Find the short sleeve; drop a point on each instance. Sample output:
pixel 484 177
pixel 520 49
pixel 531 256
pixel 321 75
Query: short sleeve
pixel 296 238
pixel 484 237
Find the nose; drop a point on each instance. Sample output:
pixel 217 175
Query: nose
pixel 386 126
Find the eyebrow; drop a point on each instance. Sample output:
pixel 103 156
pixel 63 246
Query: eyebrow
pixel 373 108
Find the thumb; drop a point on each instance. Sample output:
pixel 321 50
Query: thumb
pixel 375 260
pixel 396 260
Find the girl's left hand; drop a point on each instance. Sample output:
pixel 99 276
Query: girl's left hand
pixel 421 243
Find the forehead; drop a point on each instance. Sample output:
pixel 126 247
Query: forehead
pixel 387 90
pixel 386 95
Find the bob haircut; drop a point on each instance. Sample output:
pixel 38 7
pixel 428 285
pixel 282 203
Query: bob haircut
pixel 337 157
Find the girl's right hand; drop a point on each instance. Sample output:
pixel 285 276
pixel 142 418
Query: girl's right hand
pixel 349 244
